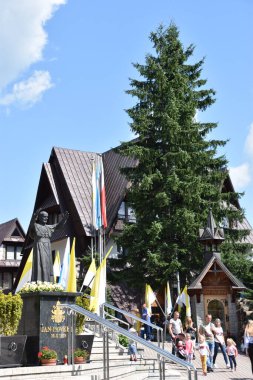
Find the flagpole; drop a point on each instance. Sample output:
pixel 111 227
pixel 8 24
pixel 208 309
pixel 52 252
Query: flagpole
pixel 92 248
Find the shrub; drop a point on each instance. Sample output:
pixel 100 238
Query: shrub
pixel 84 302
pixel 123 340
pixel 10 313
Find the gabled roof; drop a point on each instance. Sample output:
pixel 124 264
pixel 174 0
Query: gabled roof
pixel 73 169
pixel 11 231
pixel 197 283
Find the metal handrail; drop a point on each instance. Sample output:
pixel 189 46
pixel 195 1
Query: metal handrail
pixel 116 319
pixel 160 337
pixel 109 325
pixel 131 316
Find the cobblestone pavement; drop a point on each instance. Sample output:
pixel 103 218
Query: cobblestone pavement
pixel 243 371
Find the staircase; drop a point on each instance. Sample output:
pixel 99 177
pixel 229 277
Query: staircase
pixel 146 367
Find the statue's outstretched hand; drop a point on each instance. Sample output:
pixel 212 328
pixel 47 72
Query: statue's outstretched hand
pixel 36 214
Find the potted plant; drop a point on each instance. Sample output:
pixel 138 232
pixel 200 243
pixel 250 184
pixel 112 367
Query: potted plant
pixel 47 356
pixel 80 356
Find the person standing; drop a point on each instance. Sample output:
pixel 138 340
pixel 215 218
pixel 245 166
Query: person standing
pixel 207 329
pixel 248 341
pixel 219 342
pixel 203 352
pixel 188 347
pixel 145 315
pixel 232 353
pixel 175 328
pixel 190 329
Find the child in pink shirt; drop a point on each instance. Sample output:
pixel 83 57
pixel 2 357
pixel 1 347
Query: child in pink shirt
pixel 188 347
pixel 232 353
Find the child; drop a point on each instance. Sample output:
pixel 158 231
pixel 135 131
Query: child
pixel 132 346
pixel 204 352
pixel 232 353
pixel 181 353
pixel 188 347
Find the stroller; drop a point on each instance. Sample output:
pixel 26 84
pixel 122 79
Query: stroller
pixel 179 346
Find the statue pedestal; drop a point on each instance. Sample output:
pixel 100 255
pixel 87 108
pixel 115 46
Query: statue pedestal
pixel 46 324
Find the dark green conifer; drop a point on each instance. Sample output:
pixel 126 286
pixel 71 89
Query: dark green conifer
pixel 179 175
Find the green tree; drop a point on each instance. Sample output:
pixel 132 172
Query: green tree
pixel 179 174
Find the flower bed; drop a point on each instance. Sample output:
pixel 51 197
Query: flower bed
pixel 39 286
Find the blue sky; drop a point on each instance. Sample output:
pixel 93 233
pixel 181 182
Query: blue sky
pixel 65 66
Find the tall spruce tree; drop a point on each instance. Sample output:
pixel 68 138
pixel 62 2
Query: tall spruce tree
pixel 179 174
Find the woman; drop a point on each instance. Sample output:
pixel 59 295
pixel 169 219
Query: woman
pixel 190 329
pixel 248 341
pixel 219 341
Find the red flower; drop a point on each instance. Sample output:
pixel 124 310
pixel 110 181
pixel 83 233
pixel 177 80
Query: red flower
pixel 45 348
pixel 39 354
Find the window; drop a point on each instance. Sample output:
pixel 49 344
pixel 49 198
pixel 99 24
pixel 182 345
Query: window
pixel 122 211
pixel 18 253
pixel 10 252
pixel 126 213
pixel 13 252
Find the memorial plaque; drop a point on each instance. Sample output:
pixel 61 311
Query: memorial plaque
pixel 46 324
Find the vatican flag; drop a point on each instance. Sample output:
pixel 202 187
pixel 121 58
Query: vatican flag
pixel 27 273
pixel 149 297
pixel 71 284
pixel 98 290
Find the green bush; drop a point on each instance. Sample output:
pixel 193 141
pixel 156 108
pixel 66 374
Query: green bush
pixel 123 340
pixel 84 302
pixel 10 313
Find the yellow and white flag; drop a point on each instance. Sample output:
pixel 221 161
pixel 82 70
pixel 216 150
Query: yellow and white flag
pixel 57 266
pixel 71 284
pixel 98 290
pixel 185 299
pixel 90 275
pixel 168 302
pixel 149 297
pixel 27 273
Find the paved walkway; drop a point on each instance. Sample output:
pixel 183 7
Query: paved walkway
pixel 243 371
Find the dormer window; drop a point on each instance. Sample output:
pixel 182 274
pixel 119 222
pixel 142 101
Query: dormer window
pixel 126 213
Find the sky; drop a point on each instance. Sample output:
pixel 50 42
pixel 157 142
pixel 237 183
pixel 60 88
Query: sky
pixel 65 66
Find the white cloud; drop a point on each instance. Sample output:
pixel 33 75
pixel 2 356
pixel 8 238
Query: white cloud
pixel 28 92
pixel 240 176
pixel 22 36
pixel 249 142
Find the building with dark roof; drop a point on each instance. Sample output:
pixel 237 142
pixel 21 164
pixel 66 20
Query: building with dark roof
pixel 215 290
pixel 65 184
pixel 12 237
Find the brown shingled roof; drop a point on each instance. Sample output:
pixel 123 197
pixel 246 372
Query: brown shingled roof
pixel 196 284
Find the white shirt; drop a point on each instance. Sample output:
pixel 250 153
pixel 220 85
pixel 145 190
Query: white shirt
pixel 176 326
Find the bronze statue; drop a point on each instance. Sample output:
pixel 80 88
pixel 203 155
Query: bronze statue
pixel 42 267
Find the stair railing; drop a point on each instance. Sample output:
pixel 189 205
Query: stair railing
pixel 106 326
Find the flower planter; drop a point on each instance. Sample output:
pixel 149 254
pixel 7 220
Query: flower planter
pixel 79 360
pixel 48 361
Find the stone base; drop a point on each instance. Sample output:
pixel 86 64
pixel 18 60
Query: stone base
pixel 46 324
pixel 11 350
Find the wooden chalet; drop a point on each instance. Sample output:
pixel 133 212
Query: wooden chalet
pixel 66 185
pixel 215 289
pixel 12 238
